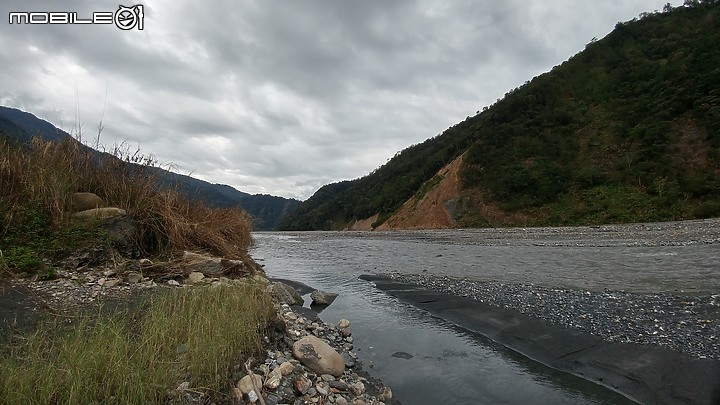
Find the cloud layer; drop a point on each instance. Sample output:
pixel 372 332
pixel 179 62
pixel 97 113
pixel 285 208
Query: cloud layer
pixel 281 97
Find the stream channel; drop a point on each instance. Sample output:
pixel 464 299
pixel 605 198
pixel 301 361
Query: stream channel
pixel 426 360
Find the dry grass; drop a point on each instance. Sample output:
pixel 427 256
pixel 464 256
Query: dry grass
pixel 198 335
pixel 38 182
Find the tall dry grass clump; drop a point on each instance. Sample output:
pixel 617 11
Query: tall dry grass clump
pixel 37 182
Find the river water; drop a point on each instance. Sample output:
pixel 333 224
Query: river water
pixel 426 360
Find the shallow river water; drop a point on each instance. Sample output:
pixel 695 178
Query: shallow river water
pixel 426 360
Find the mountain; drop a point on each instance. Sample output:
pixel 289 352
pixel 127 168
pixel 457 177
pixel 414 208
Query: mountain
pixel 626 130
pixel 266 209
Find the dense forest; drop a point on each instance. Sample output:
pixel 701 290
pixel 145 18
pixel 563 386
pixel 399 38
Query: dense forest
pixel 626 130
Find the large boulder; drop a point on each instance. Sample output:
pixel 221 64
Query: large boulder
pixel 285 294
pixel 101 213
pixel 123 233
pixel 322 297
pixel 318 356
pixel 215 266
pixel 86 201
pixel 208 265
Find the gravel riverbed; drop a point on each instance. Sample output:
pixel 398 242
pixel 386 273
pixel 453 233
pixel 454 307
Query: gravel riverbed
pixel 686 323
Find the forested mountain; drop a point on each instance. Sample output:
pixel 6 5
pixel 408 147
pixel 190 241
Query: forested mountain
pixel 626 130
pixel 266 209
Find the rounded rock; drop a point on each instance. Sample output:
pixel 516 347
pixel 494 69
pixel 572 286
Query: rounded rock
pixel 285 368
pixel 246 383
pixel 273 380
pixel 385 394
pixel 319 356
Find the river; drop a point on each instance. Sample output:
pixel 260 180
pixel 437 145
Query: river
pixel 426 360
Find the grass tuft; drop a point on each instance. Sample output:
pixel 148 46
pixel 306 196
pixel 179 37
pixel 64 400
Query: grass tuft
pixel 193 334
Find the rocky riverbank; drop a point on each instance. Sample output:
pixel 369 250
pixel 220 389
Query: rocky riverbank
pixel 655 348
pixel 689 324
pixel 311 362
pixel 290 372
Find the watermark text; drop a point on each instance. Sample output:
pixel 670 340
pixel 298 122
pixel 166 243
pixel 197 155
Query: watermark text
pixel 125 18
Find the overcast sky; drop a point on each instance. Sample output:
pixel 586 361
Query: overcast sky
pixel 284 96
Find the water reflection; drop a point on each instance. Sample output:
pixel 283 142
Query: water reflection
pixel 442 363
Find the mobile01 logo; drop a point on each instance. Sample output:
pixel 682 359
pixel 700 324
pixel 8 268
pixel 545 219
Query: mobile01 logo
pixel 125 18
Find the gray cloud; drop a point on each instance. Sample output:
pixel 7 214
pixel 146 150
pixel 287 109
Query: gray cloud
pixel 282 97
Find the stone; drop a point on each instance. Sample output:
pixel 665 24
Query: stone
pixel 286 368
pixel 101 213
pixel 112 282
pixel 349 361
pixel 343 324
pixel 133 277
pixel 385 394
pixel 195 277
pixel 285 294
pixel 91 256
pixel 302 384
pixel 322 388
pixel 341 401
pixel 123 232
pixel 252 397
pixel 319 356
pixel 322 297
pixel 173 283
pixel 86 201
pixel 273 380
pixel 236 268
pixel 145 262
pixel 201 263
pixel 338 385
pixel 357 388
pixel 246 383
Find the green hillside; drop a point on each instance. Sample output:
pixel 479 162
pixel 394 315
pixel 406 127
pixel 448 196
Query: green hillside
pixel 626 130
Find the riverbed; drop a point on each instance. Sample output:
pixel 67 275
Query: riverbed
pixel 427 360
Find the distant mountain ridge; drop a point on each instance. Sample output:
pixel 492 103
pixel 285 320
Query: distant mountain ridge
pixel 266 209
pixel 627 130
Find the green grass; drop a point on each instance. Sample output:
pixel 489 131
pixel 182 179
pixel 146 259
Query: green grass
pixel 133 357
